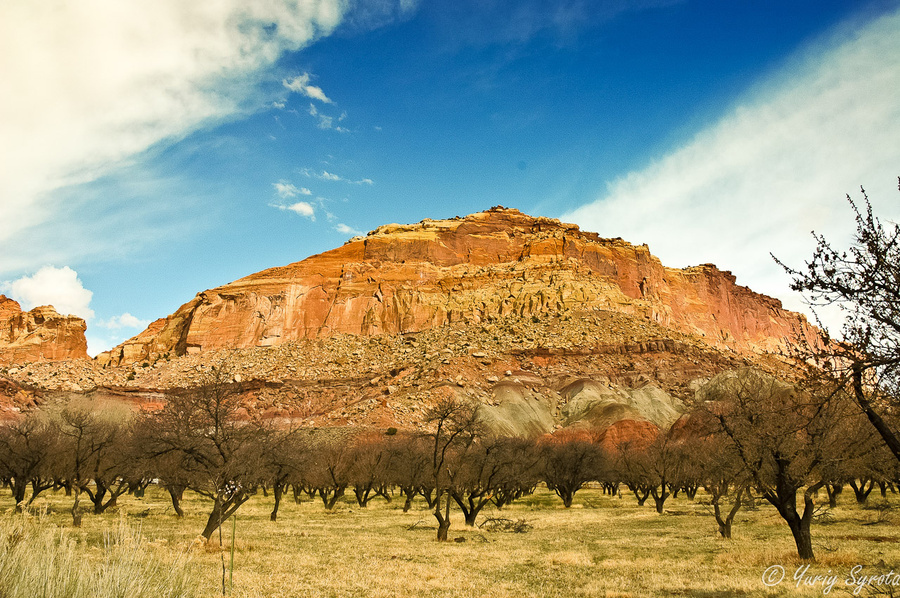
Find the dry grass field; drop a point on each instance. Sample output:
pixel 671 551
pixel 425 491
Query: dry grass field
pixel 603 546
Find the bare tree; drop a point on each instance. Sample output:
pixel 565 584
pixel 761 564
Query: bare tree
pixel 723 474
pixel 569 462
pixel 199 429
pixel 86 437
pixel 410 468
pixel 28 449
pixel 115 459
pixel 455 427
pixel 521 471
pixel 284 454
pixel 328 471
pixel 658 466
pixel 370 460
pixel 487 467
pixel 637 471
pixel 782 436
pixel 864 282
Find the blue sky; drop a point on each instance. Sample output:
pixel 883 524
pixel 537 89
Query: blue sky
pixel 154 150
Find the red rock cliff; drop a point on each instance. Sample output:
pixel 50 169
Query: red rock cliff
pixel 407 278
pixel 39 335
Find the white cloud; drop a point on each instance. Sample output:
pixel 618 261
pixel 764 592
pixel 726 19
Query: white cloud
pixel 300 84
pixel 330 176
pixel 302 208
pixel 775 168
pixel 125 320
pixel 59 287
pixel 92 84
pixel 347 230
pixel 327 122
pixel 285 190
pixel 366 16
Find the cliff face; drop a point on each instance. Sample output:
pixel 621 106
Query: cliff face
pixel 409 278
pixel 39 335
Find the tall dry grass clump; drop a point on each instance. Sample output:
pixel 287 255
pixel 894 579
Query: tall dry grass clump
pixel 37 561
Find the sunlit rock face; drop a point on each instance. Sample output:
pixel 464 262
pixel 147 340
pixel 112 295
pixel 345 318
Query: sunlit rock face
pixel 410 278
pixel 38 335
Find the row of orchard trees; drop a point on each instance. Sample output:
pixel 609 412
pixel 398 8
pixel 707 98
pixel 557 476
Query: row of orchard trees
pixel 750 433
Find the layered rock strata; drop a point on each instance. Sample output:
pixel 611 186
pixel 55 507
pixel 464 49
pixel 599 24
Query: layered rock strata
pixel 410 278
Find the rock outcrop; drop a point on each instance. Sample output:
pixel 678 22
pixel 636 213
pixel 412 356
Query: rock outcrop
pixel 410 278
pixel 39 335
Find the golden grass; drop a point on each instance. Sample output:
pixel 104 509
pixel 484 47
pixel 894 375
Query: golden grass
pixel 608 547
pixel 37 560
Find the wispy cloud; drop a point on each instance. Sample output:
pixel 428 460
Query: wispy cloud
pixel 347 230
pixel 300 84
pixel 125 320
pixel 98 83
pixel 324 175
pixel 373 14
pixel 302 208
pixel 327 122
pixel 480 23
pixel 285 190
pixel 774 168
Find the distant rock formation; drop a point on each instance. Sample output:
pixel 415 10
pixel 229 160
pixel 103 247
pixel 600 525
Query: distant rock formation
pixel 410 278
pixel 39 335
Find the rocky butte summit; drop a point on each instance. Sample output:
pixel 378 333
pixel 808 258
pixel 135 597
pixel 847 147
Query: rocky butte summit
pixel 39 334
pixel 411 278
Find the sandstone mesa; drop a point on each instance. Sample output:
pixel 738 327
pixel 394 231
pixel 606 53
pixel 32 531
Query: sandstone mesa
pixel 410 278
pixel 545 325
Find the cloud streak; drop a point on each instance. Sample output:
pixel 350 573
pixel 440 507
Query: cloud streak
pixel 125 320
pixel 97 83
pixel 347 230
pixel 324 175
pixel 300 84
pixel 286 190
pixel 302 208
pixel 479 23
pixel 775 167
